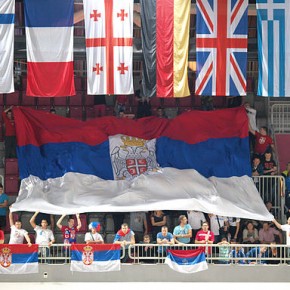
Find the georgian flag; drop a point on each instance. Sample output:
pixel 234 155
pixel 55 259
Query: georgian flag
pixel 109 46
pixel 7 16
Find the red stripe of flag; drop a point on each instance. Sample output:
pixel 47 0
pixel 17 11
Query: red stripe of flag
pixel 164 47
pixel 19 249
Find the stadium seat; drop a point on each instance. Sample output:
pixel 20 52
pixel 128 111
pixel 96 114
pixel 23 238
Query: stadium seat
pixel 12 99
pixel 11 166
pixel 25 220
pixel 61 111
pixel 76 113
pixel 169 102
pixel 81 238
pixel 43 101
pixel 155 102
pixel 78 83
pixel 11 184
pixel 60 101
pixel 43 108
pixel 27 100
pixel 109 221
pixel 90 113
pixel 109 239
pixel 185 102
pixel 76 100
pixel 24 82
pixel 89 100
pixel 1 100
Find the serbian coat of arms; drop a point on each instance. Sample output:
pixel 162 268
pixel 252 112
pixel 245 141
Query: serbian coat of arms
pixel 5 257
pixel 132 156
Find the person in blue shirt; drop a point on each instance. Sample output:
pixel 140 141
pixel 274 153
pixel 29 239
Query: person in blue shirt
pixel 183 232
pixel 3 207
pixel 257 253
pixel 164 239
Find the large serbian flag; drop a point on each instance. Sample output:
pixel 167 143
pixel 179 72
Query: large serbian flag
pixel 109 46
pixel 69 166
pixel 273 23
pixel 7 15
pixel 221 47
pixel 165 40
pixel 95 258
pixel 18 259
pixel 49 42
pixel 186 261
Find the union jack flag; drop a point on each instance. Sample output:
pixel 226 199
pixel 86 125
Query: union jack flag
pixel 221 47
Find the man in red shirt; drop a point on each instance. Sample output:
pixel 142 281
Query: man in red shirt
pixel 205 237
pixel 10 133
pixel 263 141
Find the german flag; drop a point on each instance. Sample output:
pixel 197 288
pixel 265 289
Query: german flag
pixel 165 38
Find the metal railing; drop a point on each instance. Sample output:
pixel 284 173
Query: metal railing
pixel 280 117
pixel 244 254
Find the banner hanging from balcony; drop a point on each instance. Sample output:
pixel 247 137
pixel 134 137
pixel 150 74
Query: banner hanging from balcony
pixel 109 46
pixel 165 40
pixel 273 27
pixel 18 259
pixel 7 16
pixel 199 160
pixel 49 44
pixel 95 258
pixel 221 47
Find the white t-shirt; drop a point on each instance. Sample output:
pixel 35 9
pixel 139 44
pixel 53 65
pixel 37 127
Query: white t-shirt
pixel 90 236
pixel 17 235
pixel 43 236
pixel 286 228
pixel 214 223
pixel 195 219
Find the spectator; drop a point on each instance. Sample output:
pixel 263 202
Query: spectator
pixel 2 237
pixel 224 251
pixel 148 251
pixel 17 234
pixel 219 226
pixel 237 253
pixel 250 234
pixel 164 239
pixel 274 253
pixel 93 237
pixel 161 113
pixel 138 223
pixel 234 227
pixel 269 165
pixel 3 207
pixel 205 237
pixel 195 219
pixel 285 228
pixel 125 237
pixel 158 220
pixel 268 234
pixel 120 104
pixel 10 133
pixel 69 231
pixel 44 236
pixel 286 171
pixel 263 141
pixel 257 253
pixel 44 216
pixel 183 232
pixel 287 195
pixel 257 170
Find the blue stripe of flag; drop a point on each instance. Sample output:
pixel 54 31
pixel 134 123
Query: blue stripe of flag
pixel 7 18
pixel 98 255
pixel 49 13
pixel 24 258
pixel 187 261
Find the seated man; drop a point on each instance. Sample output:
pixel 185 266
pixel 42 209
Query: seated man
pixel 17 234
pixel 267 234
pixel 125 237
pixel 93 237
pixel 257 253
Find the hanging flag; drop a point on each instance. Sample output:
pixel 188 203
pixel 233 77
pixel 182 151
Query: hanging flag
pixel 186 261
pixel 273 25
pixel 49 43
pixel 109 46
pixel 221 47
pixel 165 40
pixel 95 258
pixel 62 160
pixel 18 259
pixel 7 15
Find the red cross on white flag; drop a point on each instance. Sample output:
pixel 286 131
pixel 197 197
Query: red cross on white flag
pixel 109 46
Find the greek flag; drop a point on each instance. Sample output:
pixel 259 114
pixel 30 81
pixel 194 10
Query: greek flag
pixel 273 23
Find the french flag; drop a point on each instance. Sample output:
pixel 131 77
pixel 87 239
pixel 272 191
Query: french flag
pixel 186 261
pixel 95 258
pixel 49 41
pixel 18 259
